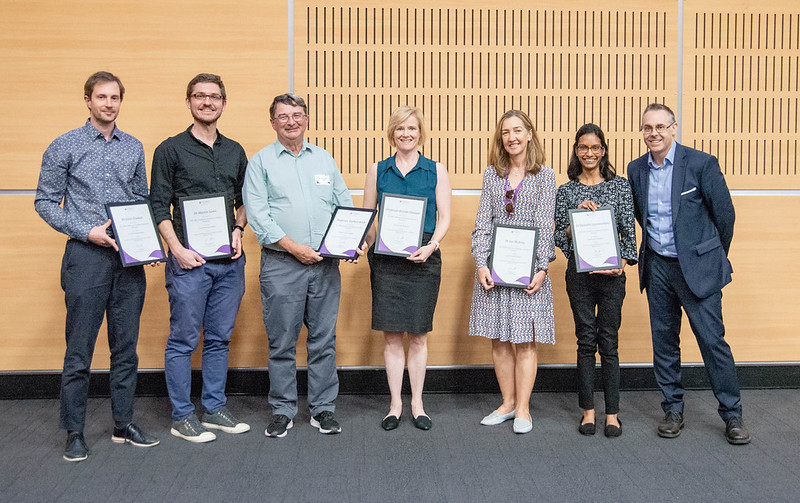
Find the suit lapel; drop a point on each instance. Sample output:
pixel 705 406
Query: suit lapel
pixel 678 174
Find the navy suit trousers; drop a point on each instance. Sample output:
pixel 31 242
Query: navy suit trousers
pixel 667 292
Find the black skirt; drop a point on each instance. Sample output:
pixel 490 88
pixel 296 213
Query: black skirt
pixel 404 293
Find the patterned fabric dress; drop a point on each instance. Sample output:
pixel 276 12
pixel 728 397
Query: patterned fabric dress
pixel 505 313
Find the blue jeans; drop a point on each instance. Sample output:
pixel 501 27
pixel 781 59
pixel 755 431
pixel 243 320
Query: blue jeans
pixel 293 294
pixel 95 285
pixel 206 297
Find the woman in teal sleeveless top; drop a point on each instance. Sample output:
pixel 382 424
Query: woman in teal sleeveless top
pixel 405 289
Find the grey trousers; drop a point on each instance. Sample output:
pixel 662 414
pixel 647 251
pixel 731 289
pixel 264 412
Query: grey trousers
pixel 293 294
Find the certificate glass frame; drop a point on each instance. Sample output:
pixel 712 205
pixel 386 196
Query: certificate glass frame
pixel 135 232
pixel 512 258
pixel 401 222
pixel 207 225
pixel 346 232
pixel 595 239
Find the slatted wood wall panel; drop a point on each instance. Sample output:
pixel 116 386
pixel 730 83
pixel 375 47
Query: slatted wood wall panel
pixel 742 84
pixel 464 65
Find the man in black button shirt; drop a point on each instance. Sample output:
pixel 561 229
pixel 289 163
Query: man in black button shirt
pixel 203 293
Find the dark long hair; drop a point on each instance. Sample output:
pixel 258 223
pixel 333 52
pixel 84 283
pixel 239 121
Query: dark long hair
pixel 575 168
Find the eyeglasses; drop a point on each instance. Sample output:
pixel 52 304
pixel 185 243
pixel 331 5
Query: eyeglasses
pixel 582 149
pixel 660 128
pixel 202 97
pixel 283 118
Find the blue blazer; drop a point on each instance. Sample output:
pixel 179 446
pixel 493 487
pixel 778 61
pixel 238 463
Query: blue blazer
pixel 702 218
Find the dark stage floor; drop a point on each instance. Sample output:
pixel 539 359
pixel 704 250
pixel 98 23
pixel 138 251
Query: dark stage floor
pixel 457 461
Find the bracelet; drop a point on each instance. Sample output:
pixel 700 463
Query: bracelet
pixel 241 229
pixel 434 243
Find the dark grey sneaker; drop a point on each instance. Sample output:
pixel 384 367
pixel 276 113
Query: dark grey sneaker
pixel 189 428
pixel 75 449
pixel 224 420
pixel 133 435
pixel 326 423
pixel 278 427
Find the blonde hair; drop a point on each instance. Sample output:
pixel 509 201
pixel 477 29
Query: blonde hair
pixel 498 156
pixel 399 116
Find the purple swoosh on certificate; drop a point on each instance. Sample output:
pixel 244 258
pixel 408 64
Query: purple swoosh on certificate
pixel 495 277
pixel 382 246
pixel 584 264
pixel 156 254
pixel 611 261
pixel 224 249
pixel 324 249
pixel 411 249
pixel 128 258
pixel 349 253
pixel 524 280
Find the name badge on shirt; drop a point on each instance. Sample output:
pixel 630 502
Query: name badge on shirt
pixel 322 179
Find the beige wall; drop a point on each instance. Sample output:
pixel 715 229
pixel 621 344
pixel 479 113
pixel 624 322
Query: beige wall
pixel 48 48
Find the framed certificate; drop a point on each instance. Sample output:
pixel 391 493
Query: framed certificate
pixel 595 240
pixel 400 223
pixel 346 232
pixel 136 234
pixel 513 255
pixel 207 226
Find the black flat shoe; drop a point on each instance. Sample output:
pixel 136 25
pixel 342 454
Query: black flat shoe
pixel 390 423
pixel 423 422
pixel 612 431
pixel 586 428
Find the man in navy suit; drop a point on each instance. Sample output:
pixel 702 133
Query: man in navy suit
pixel 685 210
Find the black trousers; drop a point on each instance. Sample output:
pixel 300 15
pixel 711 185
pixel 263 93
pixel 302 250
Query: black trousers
pixel 596 301
pixel 96 285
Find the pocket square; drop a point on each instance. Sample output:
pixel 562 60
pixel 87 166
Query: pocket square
pixel 688 191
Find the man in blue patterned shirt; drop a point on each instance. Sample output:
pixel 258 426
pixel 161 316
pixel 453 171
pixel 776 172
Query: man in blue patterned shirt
pixel 83 170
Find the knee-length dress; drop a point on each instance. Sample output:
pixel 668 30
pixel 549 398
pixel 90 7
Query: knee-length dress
pixel 505 313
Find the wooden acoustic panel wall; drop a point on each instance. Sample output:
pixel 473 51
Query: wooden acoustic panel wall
pixel 760 313
pixel 48 48
pixel 464 64
pixel 742 89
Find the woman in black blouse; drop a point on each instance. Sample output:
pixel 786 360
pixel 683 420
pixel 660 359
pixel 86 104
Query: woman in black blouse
pixel 596 297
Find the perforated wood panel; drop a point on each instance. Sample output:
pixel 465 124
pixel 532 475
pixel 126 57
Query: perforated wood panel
pixel 742 79
pixel 465 65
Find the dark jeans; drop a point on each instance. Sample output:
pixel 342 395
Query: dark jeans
pixel 205 298
pixel 95 284
pixel 667 292
pixel 596 301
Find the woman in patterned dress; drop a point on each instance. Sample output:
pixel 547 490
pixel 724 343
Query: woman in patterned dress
pixel 518 190
pixel 596 297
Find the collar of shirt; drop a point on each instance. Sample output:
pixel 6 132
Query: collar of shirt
pixel 393 165
pixel 669 159
pixel 282 149
pixel 93 132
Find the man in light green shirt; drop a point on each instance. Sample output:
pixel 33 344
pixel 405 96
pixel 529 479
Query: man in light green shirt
pixel 291 189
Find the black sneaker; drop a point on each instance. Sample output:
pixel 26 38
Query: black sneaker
pixel 75 449
pixel 279 425
pixel 326 423
pixel 133 435
pixel 189 428
pixel 224 420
